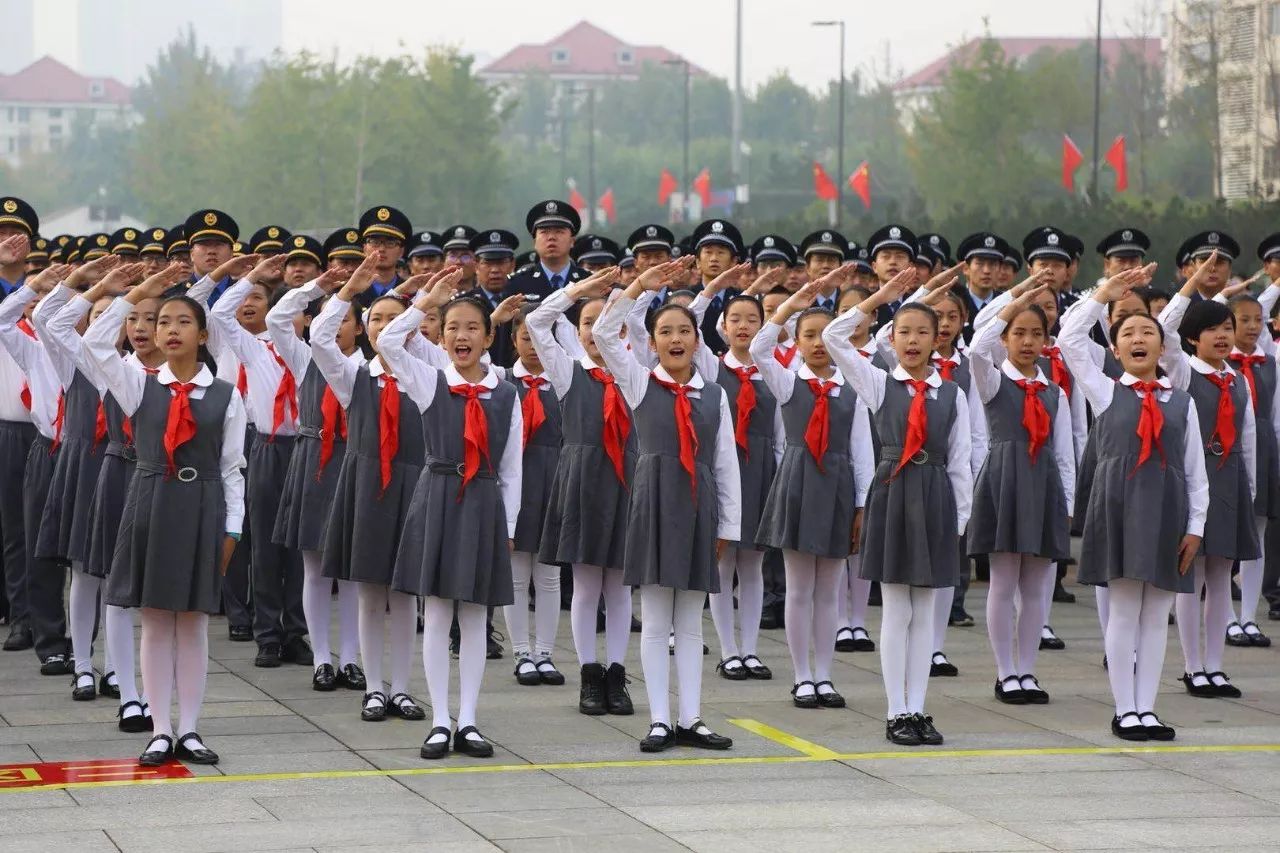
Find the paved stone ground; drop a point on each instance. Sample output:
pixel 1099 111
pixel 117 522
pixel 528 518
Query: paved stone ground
pixel 1024 789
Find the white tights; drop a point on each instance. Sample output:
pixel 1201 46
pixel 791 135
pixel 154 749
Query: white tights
pixel 1213 575
pixel 588 583
pixel 1137 626
pixel 374 601
pixel 1251 577
pixel 174 642
pixel 119 629
pixel 907 635
pixel 83 608
pixel 746 563
pixel 317 607
pixel 546 604
pixel 812 588
pixel 942 602
pixel 663 609
pixel 851 602
pixel 1023 576
pixel 1103 598
pixel 472 642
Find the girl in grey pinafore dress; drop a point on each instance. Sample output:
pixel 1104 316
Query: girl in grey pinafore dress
pixel 368 513
pixel 309 488
pixel 541 457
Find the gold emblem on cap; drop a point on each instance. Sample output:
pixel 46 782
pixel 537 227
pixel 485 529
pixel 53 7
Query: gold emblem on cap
pixel 273 232
pixel 299 241
pixel 211 219
pixel 10 205
pixel 157 234
pixel 130 234
pixel 102 240
pixel 383 214
pixel 352 236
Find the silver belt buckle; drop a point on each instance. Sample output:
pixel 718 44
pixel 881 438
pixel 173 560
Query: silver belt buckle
pixel 188 475
pixel 320 433
pixel 1216 448
pixel 461 469
pixel 920 457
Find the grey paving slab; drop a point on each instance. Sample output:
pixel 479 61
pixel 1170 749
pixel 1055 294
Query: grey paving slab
pixel 92 841
pixel 543 823
pixel 382 804
pixel 1137 833
pixel 960 836
pixel 78 817
pixel 784 812
pixel 636 842
pixel 470 846
pixel 291 834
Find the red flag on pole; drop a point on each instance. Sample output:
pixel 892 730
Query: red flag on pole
pixel 1071 160
pixel 576 200
pixel 702 186
pixel 667 184
pixel 860 183
pixel 606 204
pixel 823 186
pixel 1115 159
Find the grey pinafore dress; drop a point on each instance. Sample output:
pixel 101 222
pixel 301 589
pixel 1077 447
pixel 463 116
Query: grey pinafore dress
pixel 586 518
pixel 1267 503
pixel 1136 516
pixel 365 523
pixel 64 529
pixel 110 491
pixel 671 532
pixel 811 510
pixel 308 491
pixel 1019 507
pixel 909 531
pixel 455 541
pixel 756 465
pixel 169 551
pixel 540 461
pixel 1229 530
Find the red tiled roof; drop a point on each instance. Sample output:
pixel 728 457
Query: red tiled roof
pixel 1021 48
pixel 592 51
pixel 49 81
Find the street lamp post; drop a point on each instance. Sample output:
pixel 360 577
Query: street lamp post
pixel 839 124
pixel 685 173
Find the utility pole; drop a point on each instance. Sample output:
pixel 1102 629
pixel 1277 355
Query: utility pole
pixel 735 152
pixel 684 177
pixel 591 155
pixel 840 177
pixel 1097 105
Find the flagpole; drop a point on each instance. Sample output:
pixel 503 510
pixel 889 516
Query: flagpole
pixel 1097 105
pixel 835 215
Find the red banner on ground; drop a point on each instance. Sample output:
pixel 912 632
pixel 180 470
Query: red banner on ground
pixel 104 770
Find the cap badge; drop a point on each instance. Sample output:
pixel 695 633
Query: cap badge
pixel 1052 239
pixel 299 241
pixel 1213 238
pixel 826 236
pixel 1126 235
pixel 933 240
pixel 130 234
pixel 352 236
pixel 717 227
pixel 273 232
pixel 651 231
pixel 459 231
pixel 596 244
pixel 157 234
pixel 552 207
pixel 989 241
pixel 895 232
pixel 102 240
pixel 10 205
pixel 768 242
pixel 211 218
pixel 383 214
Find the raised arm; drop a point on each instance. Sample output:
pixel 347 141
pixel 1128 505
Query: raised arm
pixel 1173 360
pixel 60 354
pixel 631 376
pixel 22 347
pixel 1073 341
pixel 338 370
pixel 867 379
pixel 415 377
pixel 125 379
pixel 511 469
pixel 291 348
pixel 638 332
pixel 557 366
pixel 781 380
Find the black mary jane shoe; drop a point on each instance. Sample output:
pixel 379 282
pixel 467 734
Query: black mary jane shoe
pixel 902 731
pixel 1256 637
pixel 403 706
pixel 756 669
pixel 705 739
pixel 942 668
pixel 732 673
pixel 1052 642
pixel 830 699
pixel 200 755
pixel 807 701
pixel 474 748
pixel 1158 731
pixel 325 678
pixel 1206 690
pixel 351 677
pixel 438 749
pixel 155 757
pixel 862 641
pixel 377 713
pixel 1225 690
pixel 929 736
pixel 659 739
pixel 135 724
pixel 548 673
pixel 56 664
pixel 526 673
pixel 1035 695
pixel 844 640
pixel 1137 732
pixel 1239 639
pixel 106 688
pixel 1013 696
pixel 83 687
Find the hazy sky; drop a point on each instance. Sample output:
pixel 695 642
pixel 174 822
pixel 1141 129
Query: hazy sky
pixel 776 33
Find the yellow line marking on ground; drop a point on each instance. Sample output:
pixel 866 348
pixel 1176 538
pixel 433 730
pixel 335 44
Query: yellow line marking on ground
pixel 811 752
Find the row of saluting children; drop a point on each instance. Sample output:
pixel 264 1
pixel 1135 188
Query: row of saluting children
pixel 631 452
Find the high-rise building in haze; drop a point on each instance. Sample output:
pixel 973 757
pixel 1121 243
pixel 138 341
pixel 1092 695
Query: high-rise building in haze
pixel 122 37
pixel 17 36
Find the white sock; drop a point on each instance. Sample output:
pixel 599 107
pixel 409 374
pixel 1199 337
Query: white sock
pixel 895 622
pixel 119 630
pixel 1188 610
pixel 657 606
pixel 750 599
pixel 1153 637
pixel 1217 611
pixel 192 632
pixel 83 613
pixel 157 654
pixel 1251 576
pixel 859 592
pixel 587 583
pixel 1032 573
pixel 617 617
pixel 1101 596
pixel 546 608
pixel 373 617
pixel 920 639
pixel 1004 583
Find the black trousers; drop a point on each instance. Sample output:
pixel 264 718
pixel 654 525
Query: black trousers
pixel 277 571
pixel 46 579
pixel 15 444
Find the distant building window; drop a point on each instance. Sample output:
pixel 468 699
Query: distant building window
pixel 24 114
pixel 560 56
pixel 626 57
pixel 55 113
pixel 55 130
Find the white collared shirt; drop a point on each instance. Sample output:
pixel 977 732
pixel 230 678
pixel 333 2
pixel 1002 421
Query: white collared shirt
pixel 417 378
pixel 128 380
pixel 1100 390
pixel 33 367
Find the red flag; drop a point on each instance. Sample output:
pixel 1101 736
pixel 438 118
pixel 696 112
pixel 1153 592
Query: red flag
pixel 702 186
pixel 606 204
pixel 860 183
pixel 667 184
pixel 1115 159
pixel 823 186
pixel 576 200
pixel 1071 160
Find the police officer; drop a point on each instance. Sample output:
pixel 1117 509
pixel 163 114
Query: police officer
pixel 38 256
pixel 823 251
pixel 593 252
pixel 383 229
pixel 305 260
pixel 425 253
pixel 889 250
pixel 717 244
pixel 770 252
pixel 343 250
pixel 495 253
pixel 457 253
pixel 552 224
pixel 151 243
pixel 210 236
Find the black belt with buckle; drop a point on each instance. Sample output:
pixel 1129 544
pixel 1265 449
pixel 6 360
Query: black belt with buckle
pixel 122 451
pixel 311 432
pixel 186 474
pixel 448 467
pixel 1215 448
pixel 920 457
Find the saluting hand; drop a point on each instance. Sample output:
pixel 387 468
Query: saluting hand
pixel 1241 286
pixel 236 268
pixel 726 279
pixel 43 281
pixel 92 272
pixel 944 279
pixel 596 284
pixel 507 309
pixel 14 248
pixel 766 282
pixel 268 269
pixel 362 278
pixel 331 279
pixel 155 285
pixel 116 282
